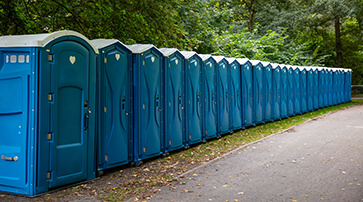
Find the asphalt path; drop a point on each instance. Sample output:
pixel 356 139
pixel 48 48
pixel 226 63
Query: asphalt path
pixel 320 160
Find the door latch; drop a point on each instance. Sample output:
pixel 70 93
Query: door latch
pixel 15 158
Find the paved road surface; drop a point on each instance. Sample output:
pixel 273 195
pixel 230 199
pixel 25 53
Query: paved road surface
pixel 321 160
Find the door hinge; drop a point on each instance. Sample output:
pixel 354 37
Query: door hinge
pixel 105 60
pixel 105 109
pixel 50 58
pixel 48 175
pixel 50 97
pixel 49 136
pixel 106 158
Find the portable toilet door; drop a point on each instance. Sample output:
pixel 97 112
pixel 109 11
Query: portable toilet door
pixel 247 92
pixel 284 91
pixel 290 92
pixel 193 81
pixel 321 83
pixel 304 93
pixel 174 91
pixel 316 88
pixel 258 82
pixel 47 93
pixel 335 86
pixel 330 86
pixel 345 90
pixel 114 90
pixel 349 85
pixel 310 89
pixel 235 94
pixel 223 102
pixel 209 75
pixel 148 101
pixel 325 87
pixel 341 86
pixel 276 89
pixel 268 91
pixel 297 87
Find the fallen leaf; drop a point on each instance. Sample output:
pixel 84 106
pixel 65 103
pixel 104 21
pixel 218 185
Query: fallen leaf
pixel 236 200
pixel 321 199
pixel 241 193
pixel 294 200
pixel 305 195
pixel 195 175
pixel 198 184
pixel 226 185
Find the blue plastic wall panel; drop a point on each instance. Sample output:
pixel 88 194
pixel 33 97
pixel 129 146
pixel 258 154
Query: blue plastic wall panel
pixel 148 103
pixel 268 92
pixel 290 92
pixel 349 86
pixel 194 99
pixel 330 86
pixel 235 97
pixel 321 80
pixel 310 89
pixel 247 94
pixel 175 101
pixel 18 120
pixel 297 86
pixel 223 101
pixel 259 91
pixel 325 87
pixel 341 86
pixel 276 88
pixel 345 86
pixel 67 112
pixel 210 97
pixel 284 91
pixel 304 94
pixel 335 87
pixel 316 88
pixel 114 91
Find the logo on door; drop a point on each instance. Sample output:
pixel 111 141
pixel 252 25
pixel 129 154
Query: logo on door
pixel 117 56
pixel 72 59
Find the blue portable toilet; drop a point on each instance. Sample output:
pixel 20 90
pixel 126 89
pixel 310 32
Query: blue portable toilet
pixel 342 72
pixel 325 86
pixel 148 101
pixel 209 75
pixel 247 92
pixel 174 86
pixel 193 81
pixel 335 83
pixel 290 91
pixel 268 91
pixel 284 91
pixel 235 94
pixel 223 101
pixel 47 98
pixel 114 90
pixel 349 84
pixel 304 92
pixel 297 87
pixel 315 88
pixel 330 86
pixel 321 86
pixel 310 88
pixel 259 91
pixel 276 89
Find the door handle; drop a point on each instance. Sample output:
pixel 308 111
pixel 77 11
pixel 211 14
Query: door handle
pixel 15 158
pixel 86 119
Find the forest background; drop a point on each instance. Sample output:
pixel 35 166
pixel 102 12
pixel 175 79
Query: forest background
pixel 296 32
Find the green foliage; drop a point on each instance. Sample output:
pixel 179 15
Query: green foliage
pixel 282 31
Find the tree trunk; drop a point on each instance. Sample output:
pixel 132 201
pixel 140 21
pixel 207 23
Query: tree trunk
pixel 250 22
pixel 338 43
